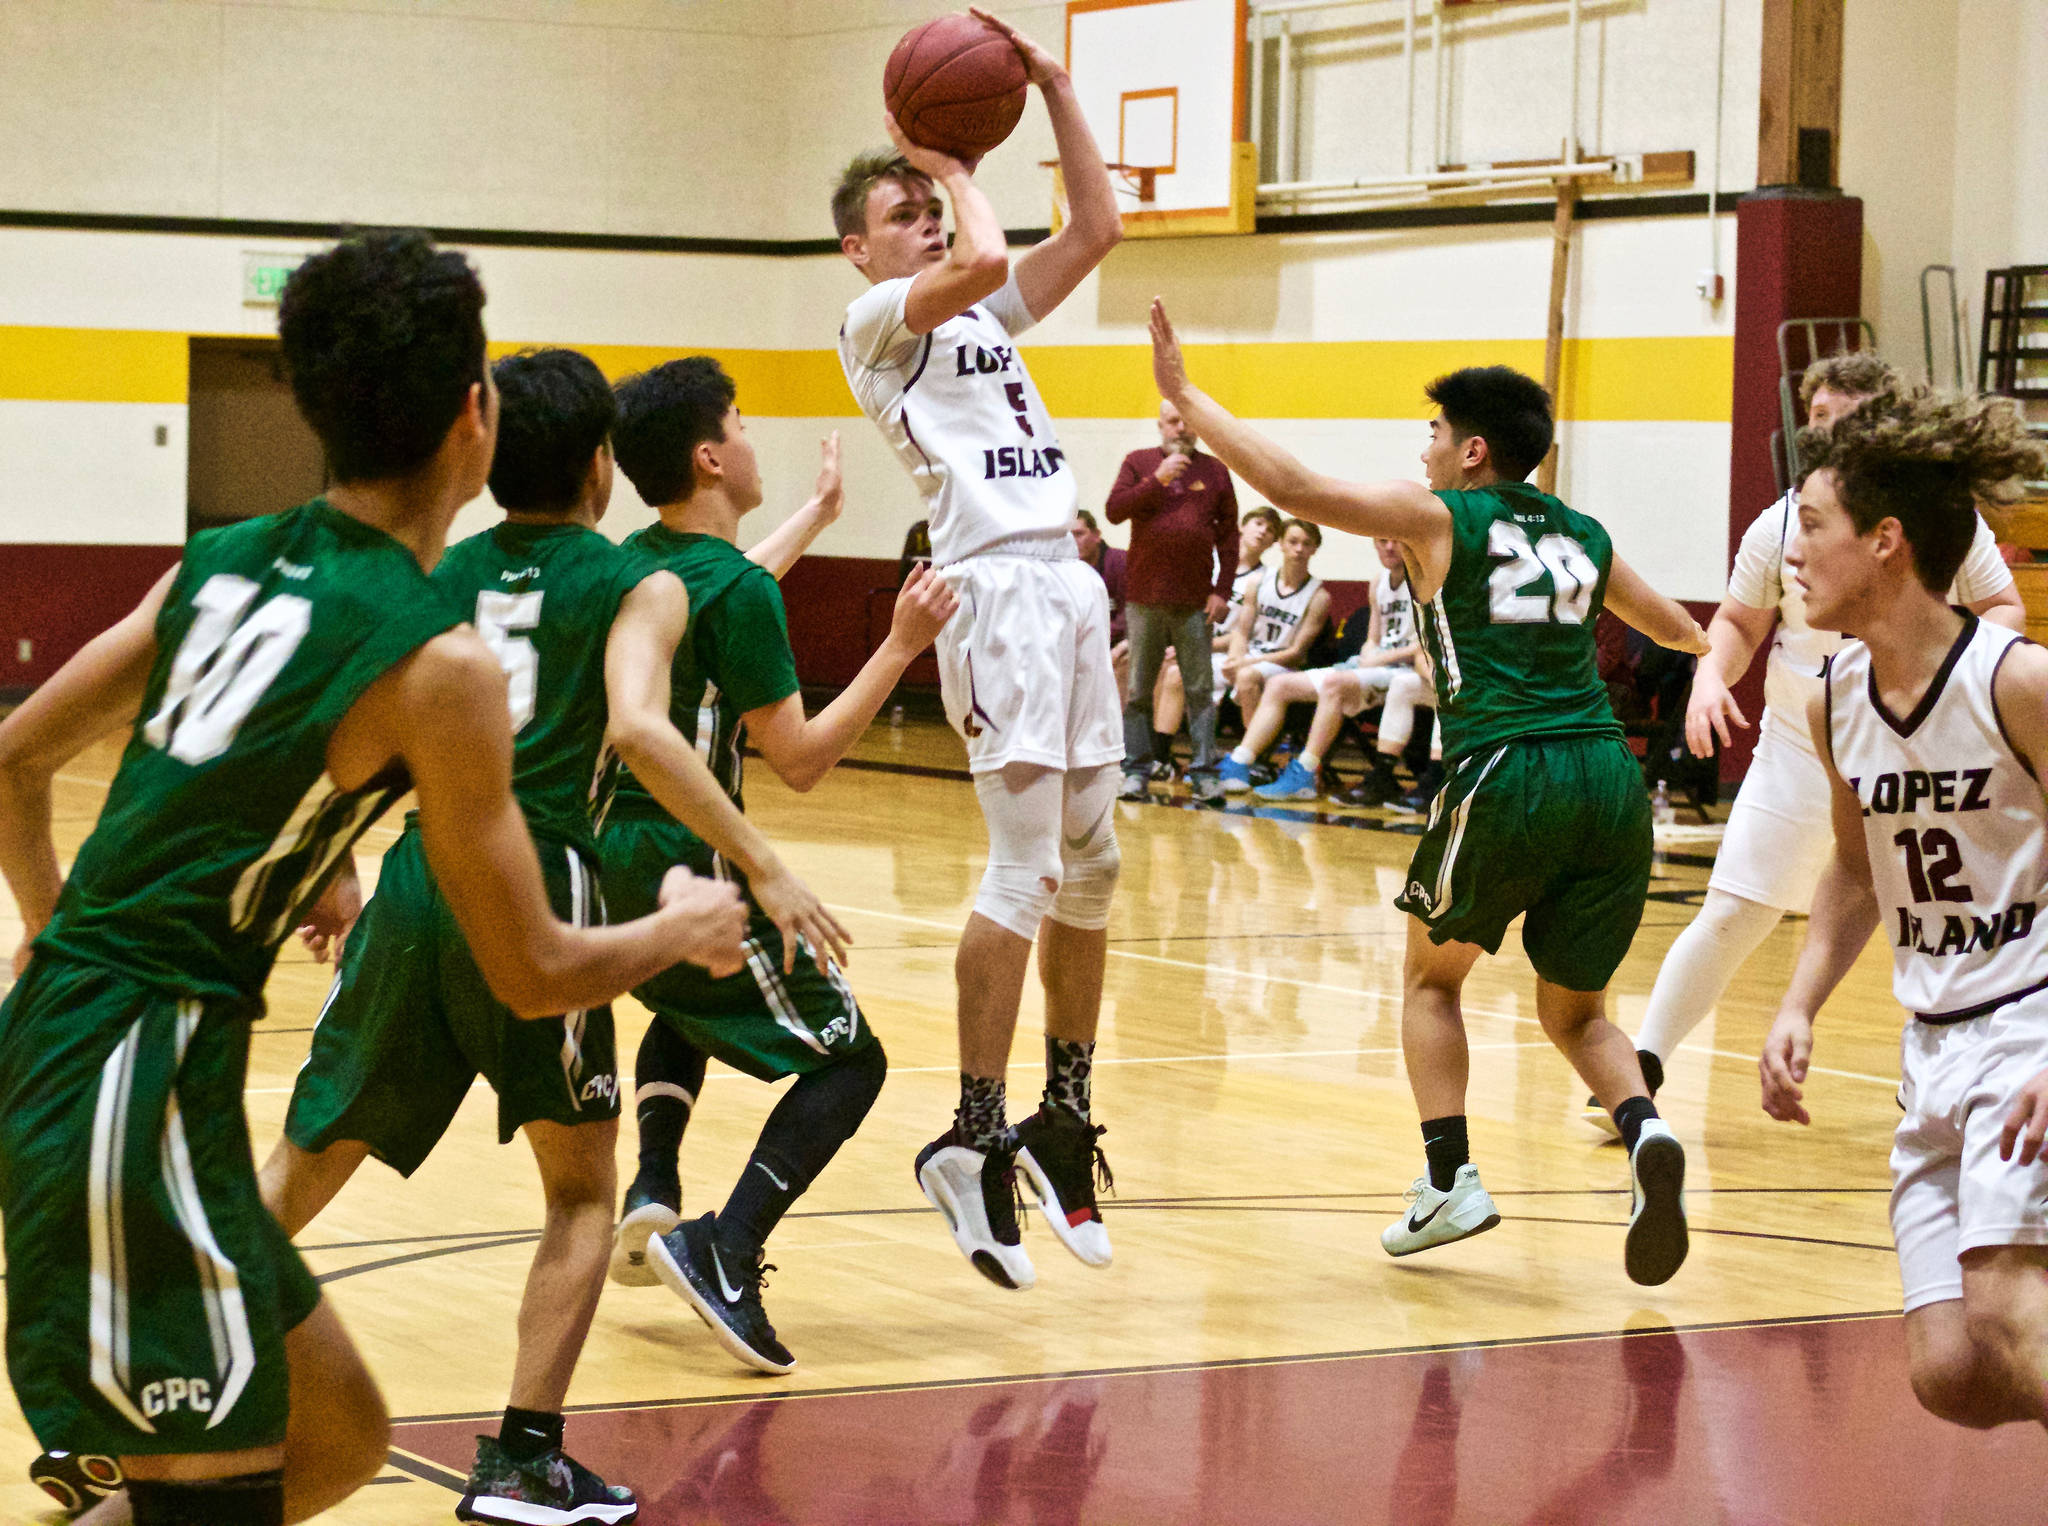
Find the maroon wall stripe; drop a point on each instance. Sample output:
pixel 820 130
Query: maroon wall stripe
pixel 57 598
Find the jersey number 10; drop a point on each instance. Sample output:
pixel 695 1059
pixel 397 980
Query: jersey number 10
pixel 1572 573
pixel 224 665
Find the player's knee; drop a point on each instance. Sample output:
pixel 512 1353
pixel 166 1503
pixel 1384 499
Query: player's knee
pixel 1017 896
pixel 1948 1386
pixel 1090 881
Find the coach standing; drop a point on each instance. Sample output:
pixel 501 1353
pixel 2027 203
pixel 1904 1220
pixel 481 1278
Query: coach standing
pixel 1183 555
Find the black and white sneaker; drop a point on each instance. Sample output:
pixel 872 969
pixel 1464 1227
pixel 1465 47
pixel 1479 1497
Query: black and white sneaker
pixel 725 1292
pixel 76 1480
pixel 1059 1160
pixel 1657 1238
pixel 977 1193
pixel 647 1214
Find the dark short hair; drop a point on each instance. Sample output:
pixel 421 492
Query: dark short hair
pixel 555 411
pixel 1270 515
pixel 664 415
pixel 1927 460
pixel 383 337
pixel 1315 531
pixel 1088 519
pixel 858 181
pixel 1509 411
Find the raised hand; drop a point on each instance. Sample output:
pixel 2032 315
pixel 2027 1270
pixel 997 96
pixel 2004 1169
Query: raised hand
pixel 1040 67
pixel 1171 465
pixel 1169 368
pixel 712 921
pixel 828 494
pixel 929 162
pixel 923 607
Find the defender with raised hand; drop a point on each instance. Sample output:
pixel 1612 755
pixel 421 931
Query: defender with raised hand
pixel 284 685
pixel 1543 815
pixel 683 443
pixel 930 353
pixel 410 1024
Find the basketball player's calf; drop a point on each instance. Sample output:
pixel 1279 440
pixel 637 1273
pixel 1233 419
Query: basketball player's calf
pixel 1052 870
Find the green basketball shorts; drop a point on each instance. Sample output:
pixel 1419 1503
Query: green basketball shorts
pixel 148 1292
pixel 410 1023
pixel 760 1021
pixel 1553 829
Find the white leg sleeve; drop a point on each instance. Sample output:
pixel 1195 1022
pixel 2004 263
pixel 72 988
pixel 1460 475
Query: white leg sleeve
pixel 1397 720
pixel 1089 854
pixel 1021 802
pixel 1699 967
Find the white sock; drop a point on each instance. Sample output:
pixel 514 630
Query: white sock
pixel 1244 755
pixel 1311 762
pixel 1700 965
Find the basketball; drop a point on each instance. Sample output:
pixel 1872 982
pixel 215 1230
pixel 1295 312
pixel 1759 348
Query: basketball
pixel 956 85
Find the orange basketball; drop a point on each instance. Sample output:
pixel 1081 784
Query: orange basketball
pixel 956 85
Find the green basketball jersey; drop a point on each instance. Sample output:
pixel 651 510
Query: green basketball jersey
pixel 544 597
pixel 221 825
pixel 736 657
pixel 1511 631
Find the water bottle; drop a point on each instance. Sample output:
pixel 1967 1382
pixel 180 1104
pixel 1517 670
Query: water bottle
pixel 1662 812
pixel 895 717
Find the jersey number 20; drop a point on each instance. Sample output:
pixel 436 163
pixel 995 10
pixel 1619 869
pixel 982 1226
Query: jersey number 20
pixel 223 666
pixel 1573 575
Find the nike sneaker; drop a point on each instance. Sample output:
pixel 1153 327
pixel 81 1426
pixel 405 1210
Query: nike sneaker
pixel 553 1489
pixel 724 1289
pixel 1437 1218
pixel 1657 1239
pixel 977 1193
pixel 1235 776
pixel 646 1215
pixel 1294 783
pixel 1059 1160
pixel 76 1480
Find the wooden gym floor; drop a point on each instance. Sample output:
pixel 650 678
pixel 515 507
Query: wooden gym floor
pixel 1252 1356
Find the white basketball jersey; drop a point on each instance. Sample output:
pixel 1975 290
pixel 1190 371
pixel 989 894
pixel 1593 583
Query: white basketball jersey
pixel 1761 580
pixel 1238 585
pixel 1955 827
pixel 1278 613
pixel 960 411
pixel 1397 612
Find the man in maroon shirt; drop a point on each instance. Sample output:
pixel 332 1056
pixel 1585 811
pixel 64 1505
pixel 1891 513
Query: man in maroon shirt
pixel 1183 555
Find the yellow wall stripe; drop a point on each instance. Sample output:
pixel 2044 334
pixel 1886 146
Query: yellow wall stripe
pixel 1627 380
pixel 63 365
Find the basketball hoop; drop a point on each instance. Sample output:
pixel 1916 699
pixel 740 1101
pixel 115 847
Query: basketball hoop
pixel 1141 180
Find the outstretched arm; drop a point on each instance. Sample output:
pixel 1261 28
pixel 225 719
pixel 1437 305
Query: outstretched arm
pixel 649 627
pixel 1048 273
pixel 97 691
pixel 1664 620
pixel 1402 511
pixel 779 549
pixel 445 710
pixel 1844 917
pixel 802 751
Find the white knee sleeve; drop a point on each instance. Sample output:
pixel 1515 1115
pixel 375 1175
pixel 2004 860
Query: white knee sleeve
pixel 1088 819
pixel 1397 720
pixel 1021 804
pixel 1703 959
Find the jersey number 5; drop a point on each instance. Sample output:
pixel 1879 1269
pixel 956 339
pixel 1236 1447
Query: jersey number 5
pixel 1573 575
pixel 223 666
pixel 498 616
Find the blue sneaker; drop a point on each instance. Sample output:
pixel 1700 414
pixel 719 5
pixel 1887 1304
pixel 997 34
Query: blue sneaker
pixel 1236 776
pixel 1295 783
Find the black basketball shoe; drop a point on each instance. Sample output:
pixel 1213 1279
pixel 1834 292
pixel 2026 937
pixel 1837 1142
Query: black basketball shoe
pixel 724 1290
pixel 648 1212
pixel 553 1489
pixel 1058 1158
pixel 76 1480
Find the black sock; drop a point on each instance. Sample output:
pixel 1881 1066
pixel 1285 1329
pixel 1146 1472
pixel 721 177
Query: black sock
pixel 1446 1143
pixel 525 1434
pixel 668 1076
pixel 814 1118
pixel 1630 1117
pixel 254 1499
pixel 982 1119
pixel 1162 746
pixel 1069 1075
pixel 1653 1070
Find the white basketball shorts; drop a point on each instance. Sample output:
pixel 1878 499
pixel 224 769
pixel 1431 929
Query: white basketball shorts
pixel 1780 833
pixel 1354 688
pixel 1950 1191
pixel 1024 666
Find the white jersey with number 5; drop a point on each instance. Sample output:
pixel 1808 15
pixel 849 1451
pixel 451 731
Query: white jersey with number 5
pixel 1955 827
pixel 960 411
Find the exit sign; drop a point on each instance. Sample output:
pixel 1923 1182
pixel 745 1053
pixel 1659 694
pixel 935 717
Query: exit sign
pixel 264 275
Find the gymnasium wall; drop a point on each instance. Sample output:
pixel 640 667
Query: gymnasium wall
pixel 636 119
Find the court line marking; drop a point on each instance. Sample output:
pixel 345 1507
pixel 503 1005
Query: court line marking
pixel 1165 1369
pixel 1381 997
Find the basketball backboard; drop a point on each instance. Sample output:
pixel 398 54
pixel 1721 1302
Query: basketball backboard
pixel 1162 83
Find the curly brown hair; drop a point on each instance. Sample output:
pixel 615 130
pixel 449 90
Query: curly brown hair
pixel 1859 373
pixel 1928 460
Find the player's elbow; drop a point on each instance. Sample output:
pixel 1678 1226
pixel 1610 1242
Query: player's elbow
pixel 633 737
